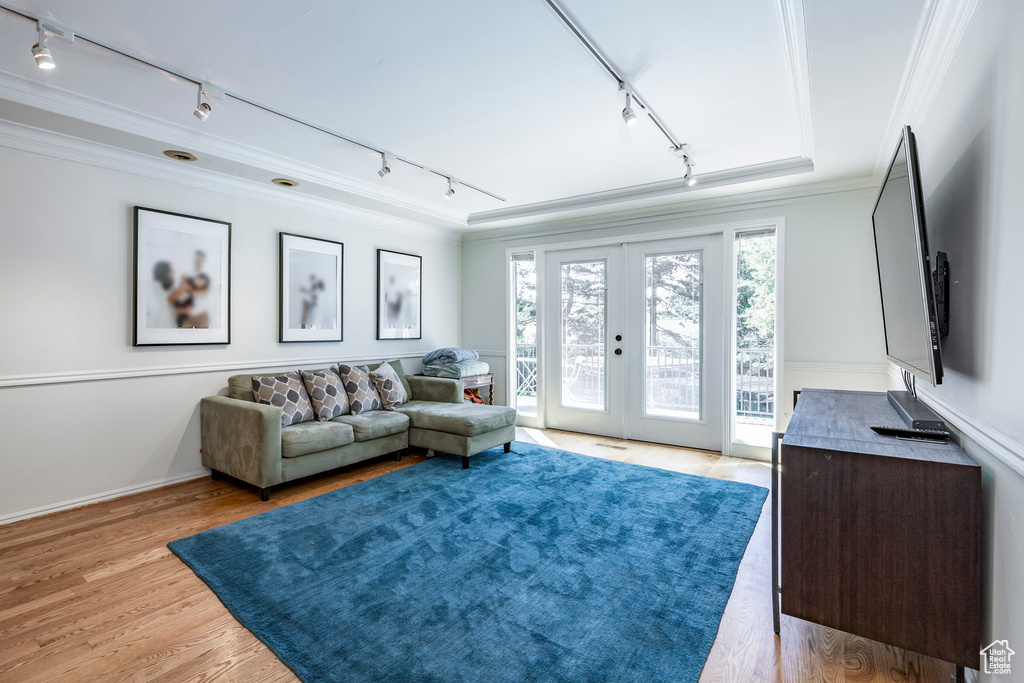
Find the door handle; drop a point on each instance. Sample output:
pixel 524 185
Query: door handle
pixel 618 352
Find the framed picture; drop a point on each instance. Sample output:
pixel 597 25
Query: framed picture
pixel 399 306
pixel 182 279
pixel 310 295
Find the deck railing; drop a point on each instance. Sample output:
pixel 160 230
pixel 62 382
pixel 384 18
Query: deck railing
pixel 672 373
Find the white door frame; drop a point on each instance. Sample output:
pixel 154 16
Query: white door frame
pixel 728 231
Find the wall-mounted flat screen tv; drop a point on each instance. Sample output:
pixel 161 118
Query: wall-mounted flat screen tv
pixel 904 267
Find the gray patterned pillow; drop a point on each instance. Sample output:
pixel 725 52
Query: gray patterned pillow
pixel 389 386
pixel 362 394
pixel 327 394
pixel 287 393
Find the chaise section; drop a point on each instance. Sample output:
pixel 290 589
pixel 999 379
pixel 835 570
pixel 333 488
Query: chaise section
pixel 463 419
pixel 459 428
pixel 374 424
pixel 310 437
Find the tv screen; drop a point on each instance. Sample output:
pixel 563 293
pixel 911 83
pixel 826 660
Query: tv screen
pixel 904 268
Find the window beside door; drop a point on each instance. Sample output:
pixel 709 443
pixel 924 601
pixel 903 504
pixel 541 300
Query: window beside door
pixel 755 337
pixel 524 292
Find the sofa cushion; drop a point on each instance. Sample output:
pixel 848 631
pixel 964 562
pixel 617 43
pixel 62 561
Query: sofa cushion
pixel 396 365
pixel 389 386
pixel 327 394
pixel 313 437
pixel 362 393
pixel 287 392
pixel 464 419
pixel 374 424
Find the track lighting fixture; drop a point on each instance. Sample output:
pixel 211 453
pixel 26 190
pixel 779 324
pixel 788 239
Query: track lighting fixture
pixel 203 107
pixel 48 29
pixel 627 114
pixel 690 180
pixel 41 53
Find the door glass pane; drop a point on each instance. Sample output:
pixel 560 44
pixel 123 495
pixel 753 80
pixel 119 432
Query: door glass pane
pixel 524 288
pixel 673 335
pixel 583 334
pixel 755 337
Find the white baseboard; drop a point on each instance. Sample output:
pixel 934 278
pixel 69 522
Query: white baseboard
pixel 100 497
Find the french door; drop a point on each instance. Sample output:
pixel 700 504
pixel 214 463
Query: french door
pixel 635 341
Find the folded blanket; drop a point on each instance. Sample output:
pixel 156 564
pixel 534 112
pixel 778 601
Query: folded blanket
pixel 450 354
pixel 465 368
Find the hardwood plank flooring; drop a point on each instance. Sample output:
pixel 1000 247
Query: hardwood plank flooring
pixel 94 594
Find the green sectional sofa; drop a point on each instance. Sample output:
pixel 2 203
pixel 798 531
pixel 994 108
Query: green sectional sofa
pixel 245 440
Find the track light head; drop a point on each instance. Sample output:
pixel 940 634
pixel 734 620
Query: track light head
pixel 203 108
pixel 627 114
pixel 451 190
pixel 690 180
pixel 41 53
pixel 44 60
pixel 385 165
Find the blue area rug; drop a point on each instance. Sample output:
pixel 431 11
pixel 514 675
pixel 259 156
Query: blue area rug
pixel 538 565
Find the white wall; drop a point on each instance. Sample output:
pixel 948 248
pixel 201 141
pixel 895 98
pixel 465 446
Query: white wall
pixel 833 329
pixel 971 146
pixel 66 281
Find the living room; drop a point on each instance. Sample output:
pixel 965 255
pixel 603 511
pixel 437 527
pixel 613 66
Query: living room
pixel 507 180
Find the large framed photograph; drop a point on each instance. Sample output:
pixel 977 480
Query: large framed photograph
pixel 399 306
pixel 182 279
pixel 312 273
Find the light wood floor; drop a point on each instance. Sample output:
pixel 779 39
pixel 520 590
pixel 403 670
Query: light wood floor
pixel 93 594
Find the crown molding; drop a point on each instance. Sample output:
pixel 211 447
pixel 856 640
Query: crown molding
pixel 732 176
pixel 58 145
pixel 940 31
pixel 81 107
pixel 791 20
pixel 692 209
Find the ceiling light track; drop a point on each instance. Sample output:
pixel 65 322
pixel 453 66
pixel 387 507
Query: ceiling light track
pixel 632 97
pixel 205 91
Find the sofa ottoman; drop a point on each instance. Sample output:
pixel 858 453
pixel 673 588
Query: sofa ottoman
pixel 460 428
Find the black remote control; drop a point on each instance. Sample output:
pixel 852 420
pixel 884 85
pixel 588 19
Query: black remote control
pixel 937 435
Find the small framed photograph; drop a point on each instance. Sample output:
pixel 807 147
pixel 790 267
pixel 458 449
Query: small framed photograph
pixel 310 295
pixel 182 279
pixel 399 304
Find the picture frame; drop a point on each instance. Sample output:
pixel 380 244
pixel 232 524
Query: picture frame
pixel 310 289
pixel 399 295
pixel 181 279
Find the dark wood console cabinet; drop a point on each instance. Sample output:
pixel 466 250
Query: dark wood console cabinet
pixel 878 537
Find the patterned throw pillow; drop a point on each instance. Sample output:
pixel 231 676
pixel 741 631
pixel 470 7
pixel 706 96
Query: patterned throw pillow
pixel 327 394
pixel 389 386
pixel 287 393
pixel 362 394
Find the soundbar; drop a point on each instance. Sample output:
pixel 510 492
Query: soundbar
pixel 914 414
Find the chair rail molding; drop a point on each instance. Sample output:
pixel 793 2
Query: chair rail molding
pixel 1004 448
pixel 29 380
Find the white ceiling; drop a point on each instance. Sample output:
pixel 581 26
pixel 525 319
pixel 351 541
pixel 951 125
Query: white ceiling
pixel 498 94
